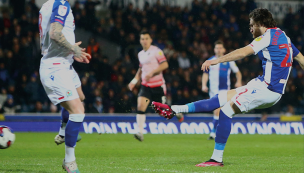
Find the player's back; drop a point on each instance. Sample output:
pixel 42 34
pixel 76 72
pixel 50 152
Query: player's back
pixel 56 11
pixel 274 49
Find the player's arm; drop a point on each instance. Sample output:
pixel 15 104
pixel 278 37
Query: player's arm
pixel 254 47
pixel 238 79
pixel 297 55
pixel 135 79
pixel 232 56
pixel 162 66
pixel 205 78
pixel 58 17
pixel 57 35
pixel 300 59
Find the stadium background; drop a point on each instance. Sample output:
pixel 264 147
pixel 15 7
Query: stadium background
pixel 184 30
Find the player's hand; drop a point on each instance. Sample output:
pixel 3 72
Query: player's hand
pixel 205 89
pixel 206 65
pixel 149 76
pixel 238 84
pixel 131 86
pixel 79 54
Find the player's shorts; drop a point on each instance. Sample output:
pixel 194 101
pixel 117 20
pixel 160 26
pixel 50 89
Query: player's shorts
pixel 255 95
pixel 60 82
pixel 153 94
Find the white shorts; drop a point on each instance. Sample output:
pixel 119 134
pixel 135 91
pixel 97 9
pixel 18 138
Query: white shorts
pixel 60 83
pixel 255 95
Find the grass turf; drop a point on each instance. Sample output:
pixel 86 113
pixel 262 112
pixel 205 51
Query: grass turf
pixel 37 152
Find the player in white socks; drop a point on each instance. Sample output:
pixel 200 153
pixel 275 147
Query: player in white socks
pixel 59 50
pixel 219 79
pixel 152 63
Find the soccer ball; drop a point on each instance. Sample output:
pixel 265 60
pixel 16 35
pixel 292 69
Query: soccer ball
pixel 7 137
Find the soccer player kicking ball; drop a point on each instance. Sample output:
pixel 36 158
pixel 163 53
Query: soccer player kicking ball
pixel 152 63
pixel 219 80
pixel 58 47
pixel 276 51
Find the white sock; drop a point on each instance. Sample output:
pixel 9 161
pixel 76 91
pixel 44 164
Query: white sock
pixel 141 119
pixel 180 108
pixel 69 154
pixel 62 131
pixel 217 155
pixel 216 117
pixel 222 96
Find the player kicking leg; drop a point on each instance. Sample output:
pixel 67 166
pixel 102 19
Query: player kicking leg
pixel 261 92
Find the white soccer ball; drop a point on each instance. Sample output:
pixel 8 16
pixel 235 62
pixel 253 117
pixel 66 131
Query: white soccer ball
pixel 7 137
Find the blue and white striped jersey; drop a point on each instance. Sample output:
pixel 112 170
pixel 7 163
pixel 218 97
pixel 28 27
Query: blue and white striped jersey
pixel 276 51
pixel 219 76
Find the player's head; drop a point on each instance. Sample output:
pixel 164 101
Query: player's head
pixel 219 48
pixel 145 39
pixel 260 20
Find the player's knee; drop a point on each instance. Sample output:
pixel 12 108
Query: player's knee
pixel 77 109
pixel 235 108
pixel 141 107
pixel 140 112
pixel 76 117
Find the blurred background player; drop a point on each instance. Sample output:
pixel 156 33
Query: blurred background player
pixel 152 62
pixel 219 79
pixel 59 79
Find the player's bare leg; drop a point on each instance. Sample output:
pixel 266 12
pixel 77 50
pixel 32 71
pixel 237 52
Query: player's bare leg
pixel 216 114
pixel 59 139
pixel 76 111
pixel 142 104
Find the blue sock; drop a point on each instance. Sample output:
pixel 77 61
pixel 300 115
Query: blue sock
pixel 215 123
pixel 222 132
pixel 223 128
pixel 71 133
pixel 64 115
pixel 207 105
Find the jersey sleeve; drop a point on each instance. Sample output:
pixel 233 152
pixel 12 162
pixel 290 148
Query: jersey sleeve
pixel 160 56
pixel 60 12
pixel 233 67
pixel 260 42
pixel 294 50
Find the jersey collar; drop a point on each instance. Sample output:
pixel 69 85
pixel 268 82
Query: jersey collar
pixel 271 28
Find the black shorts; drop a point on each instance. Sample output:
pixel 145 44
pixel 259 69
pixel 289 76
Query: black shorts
pixel 154 94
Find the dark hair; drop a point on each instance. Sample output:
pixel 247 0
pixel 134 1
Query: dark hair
pixel 143 32
pixel 219 42
pixel 263 17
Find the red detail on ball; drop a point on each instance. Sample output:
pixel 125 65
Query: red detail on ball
pixel 9 143
pixel 1 130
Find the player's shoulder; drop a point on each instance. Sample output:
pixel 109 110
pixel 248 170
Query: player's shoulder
pixel 211 58
pixel 140 52
pixel 155 48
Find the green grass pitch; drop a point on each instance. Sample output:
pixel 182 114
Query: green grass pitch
pixel 37 152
